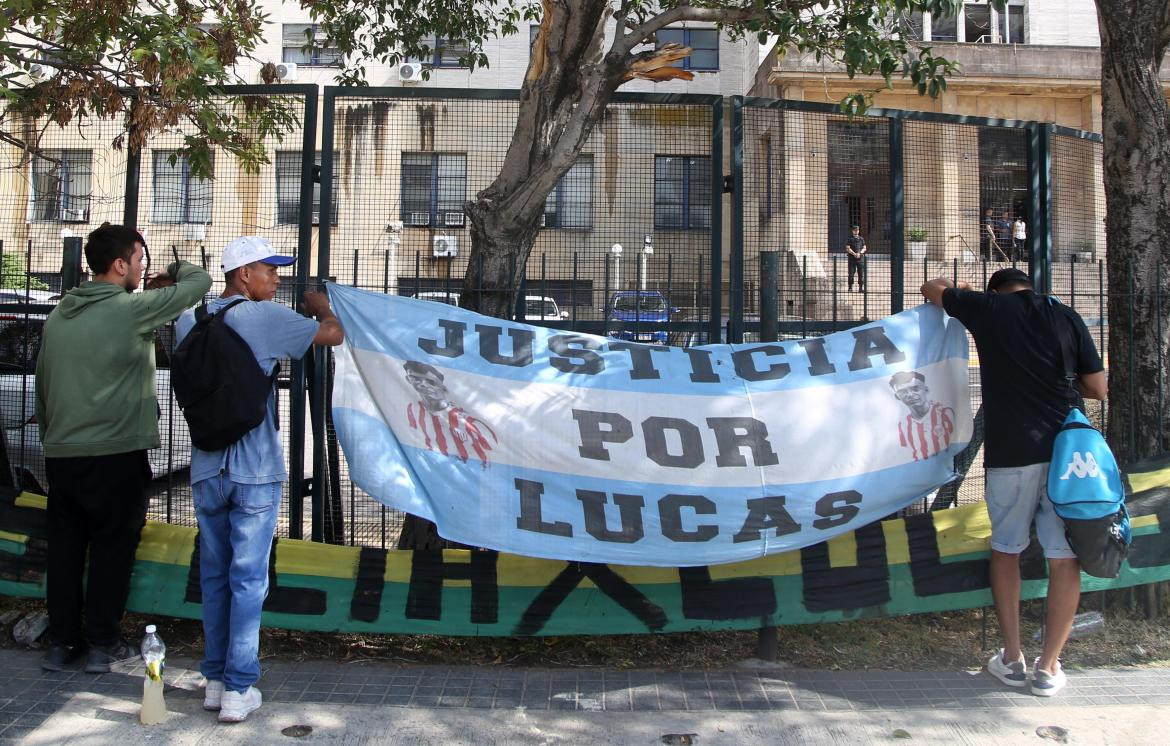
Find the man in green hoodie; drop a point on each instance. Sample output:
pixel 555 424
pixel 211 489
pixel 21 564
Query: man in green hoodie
pixel 98 416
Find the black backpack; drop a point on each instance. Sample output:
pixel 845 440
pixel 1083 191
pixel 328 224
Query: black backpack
pixel 217 381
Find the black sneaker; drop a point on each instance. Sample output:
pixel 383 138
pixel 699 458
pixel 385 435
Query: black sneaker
pixel 101 657
pixel 59 656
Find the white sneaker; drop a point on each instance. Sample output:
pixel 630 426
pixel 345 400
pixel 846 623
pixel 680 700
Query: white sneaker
pixel 1045 684
pixel 1013 674
pixel 235 707
pixel 212 695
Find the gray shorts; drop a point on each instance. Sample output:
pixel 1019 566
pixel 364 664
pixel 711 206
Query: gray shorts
pixel 1016 496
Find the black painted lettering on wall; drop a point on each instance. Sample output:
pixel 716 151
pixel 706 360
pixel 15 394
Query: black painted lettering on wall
pixel 641 362
pixel 837 508
pixel 531 513
pixel 577 354
pixel 1033 565
pixel 452 340
pixel 1151 550
pixel 428 570
pixel 366 603
pixel 745 364
pixel 932 576
pixel 291 599
pixel 599 428
pixel 701 370
pixel 607 581
pixel 766 514
pixel 193 593
pixel 281 599
pixel 722 600
pixel 654 430
pixel 828 588
pixel 818 357
pixel 489 345
pixel 629 513
pixel 29 566
pixel 670 514
pixel 870 342
pixel 735 433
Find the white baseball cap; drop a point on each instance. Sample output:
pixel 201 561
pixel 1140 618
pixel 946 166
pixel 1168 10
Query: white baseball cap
pixel 248 249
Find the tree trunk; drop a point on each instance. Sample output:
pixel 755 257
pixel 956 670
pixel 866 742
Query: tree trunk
pixel 569 84
pixel 1136 123
pixel 565 93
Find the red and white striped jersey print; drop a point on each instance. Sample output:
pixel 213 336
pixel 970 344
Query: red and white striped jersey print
pixel 930 435
pixel 452 432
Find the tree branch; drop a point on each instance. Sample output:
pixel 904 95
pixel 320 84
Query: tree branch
pixel 622 44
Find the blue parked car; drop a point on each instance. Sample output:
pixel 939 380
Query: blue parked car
pixel 643 315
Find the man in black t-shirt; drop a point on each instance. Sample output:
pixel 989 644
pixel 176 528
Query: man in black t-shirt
pixel 1022 339
pixel 855 249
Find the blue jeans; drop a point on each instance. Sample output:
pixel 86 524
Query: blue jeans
pixel 236 524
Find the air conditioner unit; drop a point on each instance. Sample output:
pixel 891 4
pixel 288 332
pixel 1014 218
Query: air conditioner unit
pixel 410 72
pixel 286 71
pixel 37 72
pixel 452 218
pixel 419 218
pixel 543 219
pixel 194 231
pixel 445 246
pixel 73 216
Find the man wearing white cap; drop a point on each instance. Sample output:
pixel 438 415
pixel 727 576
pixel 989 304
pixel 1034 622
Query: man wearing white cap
pixel 237 490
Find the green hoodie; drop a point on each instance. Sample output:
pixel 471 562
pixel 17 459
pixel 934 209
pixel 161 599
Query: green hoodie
pixel 95 372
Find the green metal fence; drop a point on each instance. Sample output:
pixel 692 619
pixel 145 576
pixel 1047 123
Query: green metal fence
pixel 692 198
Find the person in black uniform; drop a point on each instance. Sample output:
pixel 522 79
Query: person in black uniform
pixel 855 248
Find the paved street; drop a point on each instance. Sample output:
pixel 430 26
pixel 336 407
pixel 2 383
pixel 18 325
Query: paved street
pixel 356 703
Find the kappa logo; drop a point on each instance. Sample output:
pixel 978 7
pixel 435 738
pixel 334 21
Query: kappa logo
pixel 1083 466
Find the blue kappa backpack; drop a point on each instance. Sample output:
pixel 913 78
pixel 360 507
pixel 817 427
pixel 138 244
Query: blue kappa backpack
pixel 1087 491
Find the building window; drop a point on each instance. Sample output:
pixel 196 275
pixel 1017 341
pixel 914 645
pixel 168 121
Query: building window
pixel 570 204
pixel 944 28
pixel 682 192
pixel 295 38
pixel 911 26
pixel 445 53
pixel 61 185
pixel 1011 21
pixel 288 188
pixel 704 44
pixel 978 23
pixel 434 186
pixel 178 197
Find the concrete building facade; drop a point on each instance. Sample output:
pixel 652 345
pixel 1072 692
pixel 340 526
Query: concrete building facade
pixel 1035 60
pixel 402 169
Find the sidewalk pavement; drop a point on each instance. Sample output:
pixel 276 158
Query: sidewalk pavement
pixel 358 703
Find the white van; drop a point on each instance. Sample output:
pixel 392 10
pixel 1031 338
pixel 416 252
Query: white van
pixel 542 308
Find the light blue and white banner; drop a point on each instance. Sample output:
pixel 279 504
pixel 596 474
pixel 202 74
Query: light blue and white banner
pixel 571 446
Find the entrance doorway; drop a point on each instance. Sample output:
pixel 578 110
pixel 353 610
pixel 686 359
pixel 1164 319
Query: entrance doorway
pixel 859 184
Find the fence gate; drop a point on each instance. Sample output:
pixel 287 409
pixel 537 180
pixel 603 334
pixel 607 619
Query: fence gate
pixel 635 222
pixel 933 194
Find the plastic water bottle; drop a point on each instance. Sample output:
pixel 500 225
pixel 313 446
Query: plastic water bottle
pixel 1085 623
pixel 154 655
